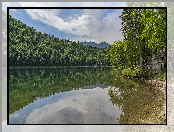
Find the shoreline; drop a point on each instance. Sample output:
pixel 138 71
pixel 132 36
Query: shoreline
pixel 161 87
pixel 158 84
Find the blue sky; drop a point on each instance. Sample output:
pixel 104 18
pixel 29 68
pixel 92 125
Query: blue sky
pixel 95 25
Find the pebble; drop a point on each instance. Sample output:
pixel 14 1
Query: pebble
pixel 160 128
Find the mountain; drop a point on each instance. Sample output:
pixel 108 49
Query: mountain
pixel 93 44
pixel 27 47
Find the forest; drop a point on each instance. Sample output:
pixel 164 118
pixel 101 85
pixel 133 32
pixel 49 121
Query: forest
pixel 27 47
pixel 144 42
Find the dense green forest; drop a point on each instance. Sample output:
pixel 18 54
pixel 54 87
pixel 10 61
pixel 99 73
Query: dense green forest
pixel 144 42
pixel 32 48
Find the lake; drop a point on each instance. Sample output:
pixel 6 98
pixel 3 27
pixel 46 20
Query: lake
pixel 80 95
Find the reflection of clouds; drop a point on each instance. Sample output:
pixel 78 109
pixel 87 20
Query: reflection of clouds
pixel 93 107
pixel 15 115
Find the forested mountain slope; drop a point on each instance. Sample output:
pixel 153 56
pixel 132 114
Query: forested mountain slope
pixel 93 44
pixel 27 47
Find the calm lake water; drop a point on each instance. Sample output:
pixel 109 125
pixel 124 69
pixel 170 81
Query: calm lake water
pixel 79 95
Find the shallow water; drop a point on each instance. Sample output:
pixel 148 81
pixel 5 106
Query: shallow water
pixel 79 95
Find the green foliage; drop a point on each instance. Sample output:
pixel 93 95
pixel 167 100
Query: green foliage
pixel 118 54
pixel 161 76
pixel 27 47
pixel 137 71
pixel 144 33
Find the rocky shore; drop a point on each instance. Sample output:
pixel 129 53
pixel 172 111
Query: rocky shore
pixel 161 85
pixel 158 84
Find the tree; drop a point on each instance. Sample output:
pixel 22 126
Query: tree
pixel 29 47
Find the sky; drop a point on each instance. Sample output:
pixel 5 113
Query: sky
pixel 96 25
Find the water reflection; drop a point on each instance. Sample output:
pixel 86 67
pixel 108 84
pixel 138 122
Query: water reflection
pixel 79 95
pixel 141 104
pixel 26 85
pixel 94 86
pixel 85 106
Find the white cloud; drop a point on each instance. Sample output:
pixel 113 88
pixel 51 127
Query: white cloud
pixel 91 26
pixel 108 29
pixel 84 25
pixel 93 13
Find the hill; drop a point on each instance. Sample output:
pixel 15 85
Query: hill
pixel 28 47
pixel 93 44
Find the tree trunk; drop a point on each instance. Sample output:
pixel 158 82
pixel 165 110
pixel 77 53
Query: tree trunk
pixel 139 41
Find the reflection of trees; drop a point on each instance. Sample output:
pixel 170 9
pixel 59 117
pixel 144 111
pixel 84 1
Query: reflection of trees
pixel 26 85
pixel 140 103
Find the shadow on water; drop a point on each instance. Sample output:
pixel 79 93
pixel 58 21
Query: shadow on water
pixel 133 102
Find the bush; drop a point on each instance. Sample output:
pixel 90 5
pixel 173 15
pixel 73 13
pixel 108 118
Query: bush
pixel 137 71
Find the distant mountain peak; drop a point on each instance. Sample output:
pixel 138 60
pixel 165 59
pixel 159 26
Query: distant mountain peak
pixel 94 44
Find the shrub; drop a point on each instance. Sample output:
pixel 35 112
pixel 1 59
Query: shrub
pixel 137 71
